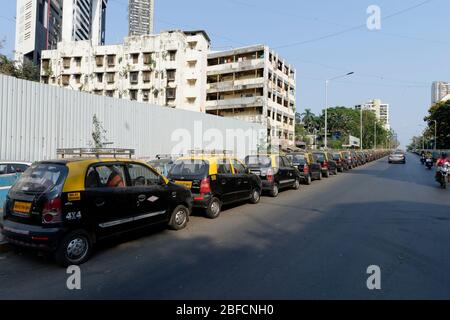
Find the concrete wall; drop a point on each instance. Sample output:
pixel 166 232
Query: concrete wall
pixel 36 119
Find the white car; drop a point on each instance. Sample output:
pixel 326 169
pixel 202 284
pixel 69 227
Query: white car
pixel 397 157
pixel 8 167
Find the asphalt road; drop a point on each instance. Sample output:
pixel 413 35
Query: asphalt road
pixel 315 243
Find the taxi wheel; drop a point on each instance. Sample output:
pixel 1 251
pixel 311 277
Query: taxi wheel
pixel 296 185
pixel 275 191
pixel 255 197
pixel 326 174
pixel 74 249
pixel 179 218
pixel 214 207
pixel 308 180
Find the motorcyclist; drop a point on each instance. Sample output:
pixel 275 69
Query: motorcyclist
pixel 423 157
pixel 442 160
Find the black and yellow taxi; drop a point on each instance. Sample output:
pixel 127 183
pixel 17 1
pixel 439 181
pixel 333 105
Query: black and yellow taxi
pixel 65 206
pixel 309 169
pixel 215 179
pixel 276 172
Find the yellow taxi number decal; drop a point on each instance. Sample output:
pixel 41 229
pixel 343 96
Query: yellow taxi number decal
pixel 74 196
pixel 214 178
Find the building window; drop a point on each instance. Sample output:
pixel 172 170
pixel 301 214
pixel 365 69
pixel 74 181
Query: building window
pixel 77 78
pixel 45 64
pixel 65 80
pixel 171 73
pixel 133 95
pixel 135 58
pixel 111 60
pixel 44 80
pixel 99 61
pixel 192 63
pixel 66 63
pixel 172 55
pixel 171 93
pixel 192 45
pixel 192 82
pixel 110 77
pixel 147 58
pixel 191 100
pixel 98 92
pixel 146 76
pixel 145 95
pixel 77 62
pixel 100 77
pixel 109 93
pixel 134 77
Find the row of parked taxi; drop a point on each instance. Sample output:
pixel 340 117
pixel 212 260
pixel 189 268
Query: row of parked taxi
pixel 65 206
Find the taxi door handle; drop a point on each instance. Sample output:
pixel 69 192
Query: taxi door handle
pixel 99 202
pixel 224 181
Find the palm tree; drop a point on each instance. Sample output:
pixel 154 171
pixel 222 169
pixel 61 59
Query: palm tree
pixel 309 120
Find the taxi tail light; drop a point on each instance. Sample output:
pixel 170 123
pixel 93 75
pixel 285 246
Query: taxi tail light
pixel 305 168
pixel 269 175
pixel 325 164
pixel 52 211
pixel 205 186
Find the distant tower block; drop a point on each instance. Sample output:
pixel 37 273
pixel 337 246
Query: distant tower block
pixel 140 20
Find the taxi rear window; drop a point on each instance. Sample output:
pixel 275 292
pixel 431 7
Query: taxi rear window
pixel 319 156
pixel 189 168
pixel 258 161
pixel 41 178
pixel 297 158
pixel 336 156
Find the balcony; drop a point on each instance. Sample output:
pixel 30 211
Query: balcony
pixel 236 66
pixel 234 103
pixel 235 85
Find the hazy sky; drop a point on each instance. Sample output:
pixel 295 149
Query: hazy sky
pixel 322 39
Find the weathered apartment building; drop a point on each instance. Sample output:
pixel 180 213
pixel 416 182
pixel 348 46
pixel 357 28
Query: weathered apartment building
pixel 256 85
pixel 166 69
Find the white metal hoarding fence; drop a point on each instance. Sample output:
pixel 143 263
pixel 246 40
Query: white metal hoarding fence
pixel 37 119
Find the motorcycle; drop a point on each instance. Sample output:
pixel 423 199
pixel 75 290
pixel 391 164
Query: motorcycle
pixel 423 159
pixel 442 175
pixel 429 163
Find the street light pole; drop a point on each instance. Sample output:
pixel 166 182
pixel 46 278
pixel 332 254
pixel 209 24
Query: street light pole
pixel 435 134
pixel 326 104
pixel 375 136
pixel 326 114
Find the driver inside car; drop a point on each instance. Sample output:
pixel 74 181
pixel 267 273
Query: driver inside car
pixel 115 179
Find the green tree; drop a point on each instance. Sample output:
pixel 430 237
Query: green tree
pixel 347 121
pixel 441 113
pixel 26 70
